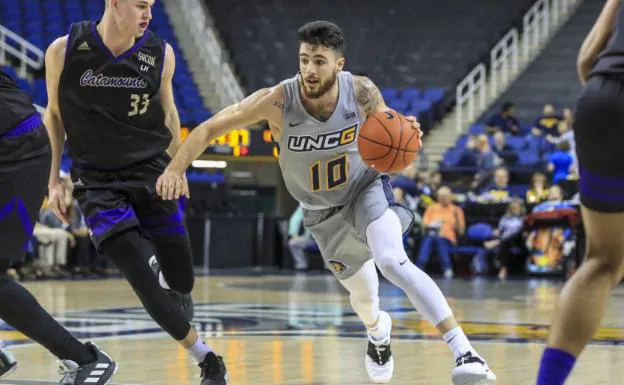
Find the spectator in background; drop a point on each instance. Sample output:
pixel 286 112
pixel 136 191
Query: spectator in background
pixel 505 121
pixel 566 134
pixel 568 117
pixel 487 160
pixel 539 189
pixel 443 223
pixel 503 150
pixel 508 235
pixel 497 192
pixel 298 241
pixel 405 187
pixel 434 183
pixel 561 162
pixel 547 123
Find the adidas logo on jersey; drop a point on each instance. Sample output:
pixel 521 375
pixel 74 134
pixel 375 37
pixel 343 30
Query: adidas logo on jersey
pixel 324 141
pixel 84 46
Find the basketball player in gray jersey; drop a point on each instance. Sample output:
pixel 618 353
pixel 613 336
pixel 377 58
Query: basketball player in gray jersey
pixel 349 208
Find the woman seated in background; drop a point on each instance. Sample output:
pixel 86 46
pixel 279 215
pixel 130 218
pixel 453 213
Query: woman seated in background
pixel 508 235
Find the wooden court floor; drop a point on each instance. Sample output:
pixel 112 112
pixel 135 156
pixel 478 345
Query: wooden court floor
pixel 299 329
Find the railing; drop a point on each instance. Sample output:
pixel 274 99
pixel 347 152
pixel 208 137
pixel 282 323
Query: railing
pixel 540 21
pixel 504 61
pixel 535 27
pixel 211 53
pixel 471 88
pixel 17 46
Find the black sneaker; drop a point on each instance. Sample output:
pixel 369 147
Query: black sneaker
pixel 98 372
pixel 184 300
pixel 213 371
pixel 7 361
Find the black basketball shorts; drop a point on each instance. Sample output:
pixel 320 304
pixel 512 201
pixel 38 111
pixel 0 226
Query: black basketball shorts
pixel 115 201
pixel 599 136
pixel 25 160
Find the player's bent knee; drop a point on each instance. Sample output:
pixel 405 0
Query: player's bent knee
pixel 600 266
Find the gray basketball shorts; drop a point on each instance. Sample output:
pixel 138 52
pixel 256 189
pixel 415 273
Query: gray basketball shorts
pixel 341 231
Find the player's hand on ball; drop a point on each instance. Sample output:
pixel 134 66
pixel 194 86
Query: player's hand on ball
pixel 171 185
pixel 415 126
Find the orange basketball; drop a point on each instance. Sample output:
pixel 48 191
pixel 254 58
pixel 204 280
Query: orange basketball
pixel 387 142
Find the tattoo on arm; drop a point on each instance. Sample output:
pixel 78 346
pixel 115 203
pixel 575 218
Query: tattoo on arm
pixel 278 104
pixel 368 95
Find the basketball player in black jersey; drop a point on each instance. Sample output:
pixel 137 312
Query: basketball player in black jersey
pixel 24 168
pixel 110 91
pixel 599 135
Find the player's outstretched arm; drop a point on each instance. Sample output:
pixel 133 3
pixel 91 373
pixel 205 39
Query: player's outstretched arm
pixel 597 38
pixel 261 105
pixel 54 62
pixel 172 119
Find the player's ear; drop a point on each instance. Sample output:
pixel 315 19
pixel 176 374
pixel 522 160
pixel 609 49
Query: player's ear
pixel 340 63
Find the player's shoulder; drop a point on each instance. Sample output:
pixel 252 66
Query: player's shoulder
pixel 269 95
pixel 57 48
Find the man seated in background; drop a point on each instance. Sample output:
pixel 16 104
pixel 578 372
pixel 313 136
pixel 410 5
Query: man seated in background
pixel 547 123
pixel 497 192
pixel 505 121
pixel 503 150
pixel 443 224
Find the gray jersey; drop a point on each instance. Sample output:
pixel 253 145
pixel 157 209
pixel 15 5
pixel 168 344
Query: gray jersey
pixel 320 162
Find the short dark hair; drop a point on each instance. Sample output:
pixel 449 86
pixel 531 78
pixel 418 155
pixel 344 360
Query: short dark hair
pixel 507 106
pixel 323 33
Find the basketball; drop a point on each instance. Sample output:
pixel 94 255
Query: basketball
pixel 387 142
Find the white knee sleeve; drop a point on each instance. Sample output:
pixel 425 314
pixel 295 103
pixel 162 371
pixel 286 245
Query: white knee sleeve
pixel 385 240
pixel 363 288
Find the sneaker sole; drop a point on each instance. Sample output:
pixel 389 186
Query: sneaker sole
pixel 10 371
pixel 115 369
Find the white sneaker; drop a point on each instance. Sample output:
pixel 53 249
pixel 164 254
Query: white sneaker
pixel 378 360
pixel 472 370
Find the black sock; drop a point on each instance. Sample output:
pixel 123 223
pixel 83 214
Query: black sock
pixel 21 310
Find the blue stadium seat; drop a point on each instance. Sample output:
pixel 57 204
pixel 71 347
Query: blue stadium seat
pixel 434 95
pixel 411 94
pixel 461 142
pixel 528 158
pixel 389 94
pixel 518 143
pixel 451 157
pixel 399 105
pixel 477 129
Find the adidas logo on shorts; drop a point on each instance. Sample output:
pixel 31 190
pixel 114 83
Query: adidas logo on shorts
pixel 84 46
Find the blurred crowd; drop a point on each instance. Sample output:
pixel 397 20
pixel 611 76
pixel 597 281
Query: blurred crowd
pixel 482 218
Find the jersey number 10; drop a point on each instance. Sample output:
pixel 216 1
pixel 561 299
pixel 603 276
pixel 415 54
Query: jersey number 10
pixel 138 104
pixel 336 174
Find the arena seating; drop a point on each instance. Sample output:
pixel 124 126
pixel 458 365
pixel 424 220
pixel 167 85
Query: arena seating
pixel 552 77
pixel 42 21
pixel 416 50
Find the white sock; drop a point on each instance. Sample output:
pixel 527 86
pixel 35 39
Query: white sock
pixel 457 342
pixel 199 350
pixel 162 281
pixel 380 332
